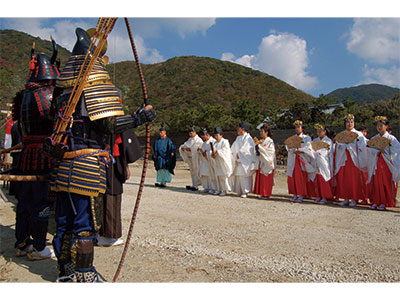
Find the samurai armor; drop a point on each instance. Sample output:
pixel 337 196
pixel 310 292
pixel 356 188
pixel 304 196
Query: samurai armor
pixel 81 175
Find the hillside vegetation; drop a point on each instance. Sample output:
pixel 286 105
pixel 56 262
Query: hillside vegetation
pixel 366 93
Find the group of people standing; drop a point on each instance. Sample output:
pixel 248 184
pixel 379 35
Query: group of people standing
pixel 326 168
pixel 220 168
pixel 350 168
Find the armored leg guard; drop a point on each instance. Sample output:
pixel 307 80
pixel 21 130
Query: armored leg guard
pixel 65 266
pixel 82 254
pixel 66 272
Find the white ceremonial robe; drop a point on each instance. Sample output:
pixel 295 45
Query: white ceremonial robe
pixel 192 157
pixel 391 156
pixel 267 157
pixel 357 151
pixel 223 165
pixel 244 158
pixel 207 169
pixel 307 157
pixel 324 159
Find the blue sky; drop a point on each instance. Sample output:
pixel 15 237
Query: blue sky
pixel 316 55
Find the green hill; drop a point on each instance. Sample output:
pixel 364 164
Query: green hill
pixel 199 86
pixel 15 51
pixel 188 89
pixel 367 93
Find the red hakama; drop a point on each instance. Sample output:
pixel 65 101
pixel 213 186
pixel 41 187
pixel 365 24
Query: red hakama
pixel 298 182
pixel 382 189
pixel 323 188
pixel 263 184
pixel 350 183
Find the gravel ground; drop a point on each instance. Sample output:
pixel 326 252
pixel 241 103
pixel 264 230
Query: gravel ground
pixel 184 236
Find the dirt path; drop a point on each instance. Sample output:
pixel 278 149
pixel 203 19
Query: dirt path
pixel 183 236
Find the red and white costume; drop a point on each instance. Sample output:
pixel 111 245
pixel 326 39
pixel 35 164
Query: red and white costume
pixel 384 172
pixel 266 167
pixel 301 168
pixel 350 162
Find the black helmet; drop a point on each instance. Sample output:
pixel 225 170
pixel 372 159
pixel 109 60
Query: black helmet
pixel 42 66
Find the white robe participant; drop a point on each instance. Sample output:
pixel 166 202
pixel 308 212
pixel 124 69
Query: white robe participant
pixel 324 159
pixel 206 171
pixel 244 158
pixel 267 158
pixel 192 157
pixel 357 151
pixel 391 155
pixel 307 157
pixel 223 165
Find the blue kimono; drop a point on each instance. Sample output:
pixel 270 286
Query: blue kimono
pixel 164 162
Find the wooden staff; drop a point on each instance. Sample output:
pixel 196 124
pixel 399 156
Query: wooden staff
pixel 8 150
pixel 8 177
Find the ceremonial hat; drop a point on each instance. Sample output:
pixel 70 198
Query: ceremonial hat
pixel 162 128
pixel 245 125
pixel 203 131
pixel 319 126
pixel 192 129
pixel 349 117
pixel 298 122
pixel 382 119
pixel 218 130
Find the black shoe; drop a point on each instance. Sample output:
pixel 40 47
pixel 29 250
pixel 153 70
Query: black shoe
pixel 194 188
pixel 163 185
pixel 188 187
pixel 157 184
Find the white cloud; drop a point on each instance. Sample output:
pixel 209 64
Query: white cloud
pixel 387 76
pixel 120 49
pixel 283 55
pixel 376 40
pixel 153 27
pixel 63 31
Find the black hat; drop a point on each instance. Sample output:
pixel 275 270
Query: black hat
pixel 203 131
pixel 218 130
pixel 192 129
pixel 244 125
pixel 162 128
pixel 42 66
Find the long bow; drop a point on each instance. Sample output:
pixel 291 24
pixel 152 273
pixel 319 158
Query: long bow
pixel 146 154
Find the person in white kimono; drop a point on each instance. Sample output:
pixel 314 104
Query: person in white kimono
pixel 265 151
pixel 222 156
pixel 324 165
pixel 300 166
pixel 207 175
pixel 190 155
pixel 383 169
pixel 350 165
pixel 244 158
